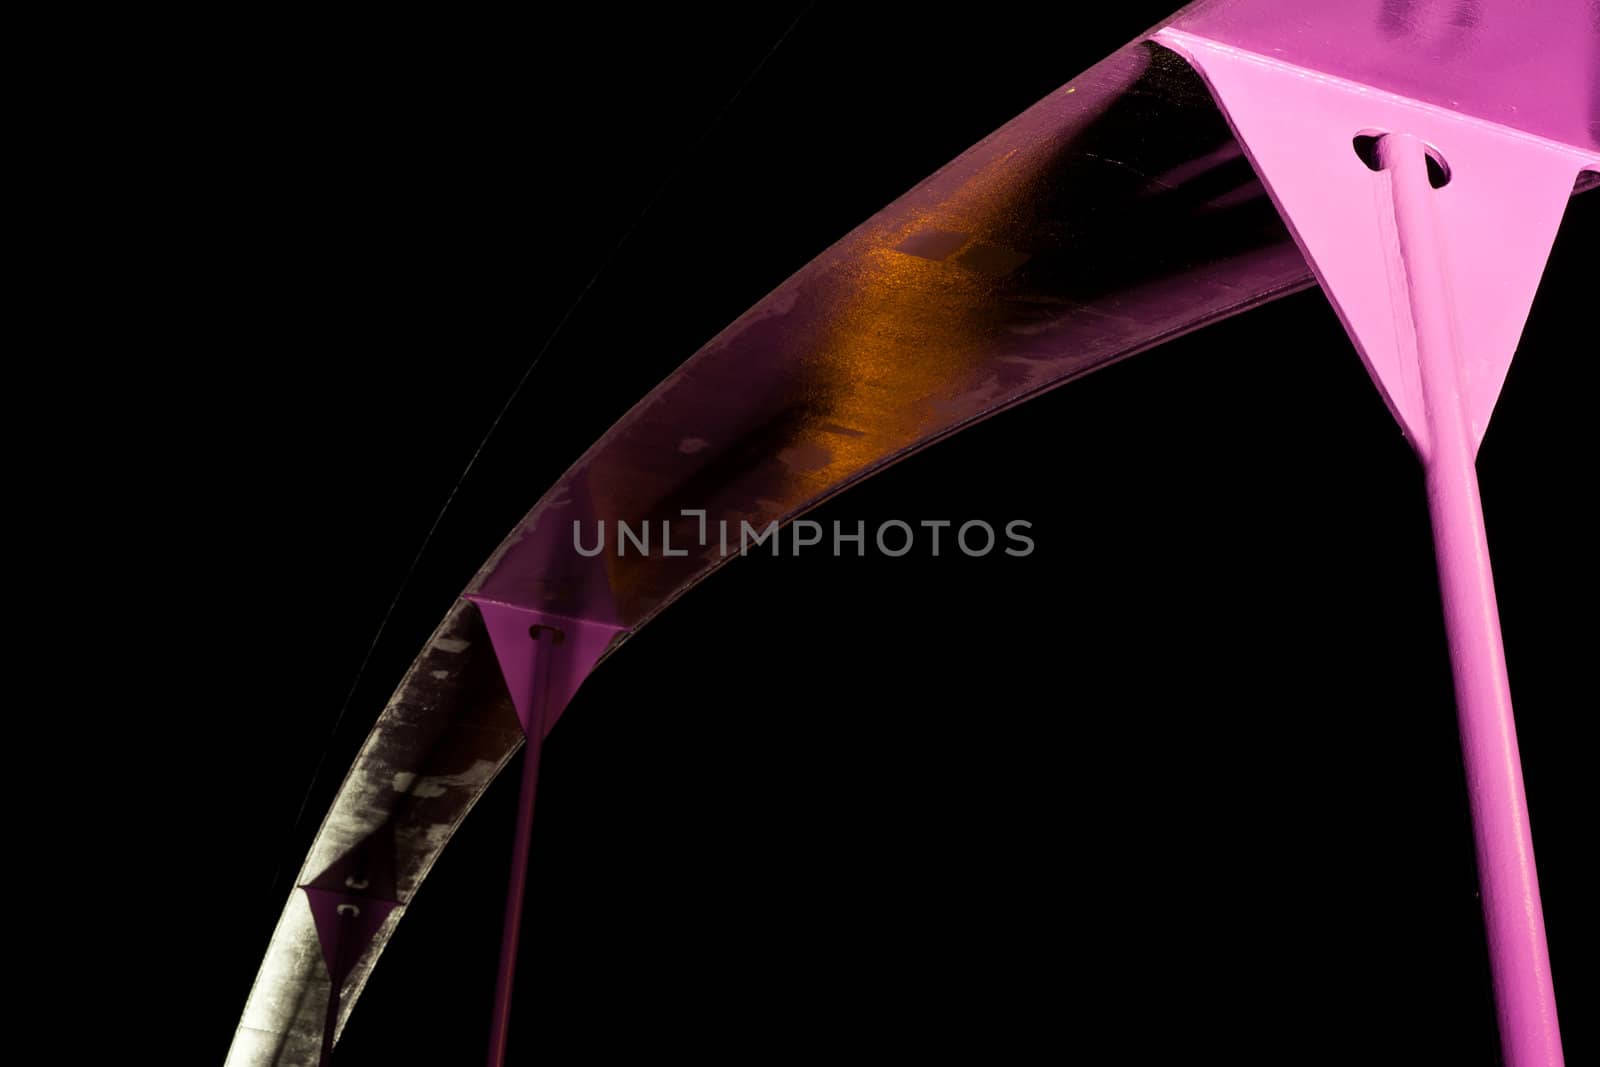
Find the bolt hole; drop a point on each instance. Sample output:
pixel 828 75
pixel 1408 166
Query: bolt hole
pixel 1366 146
pixel 556 636
pixel 1438 169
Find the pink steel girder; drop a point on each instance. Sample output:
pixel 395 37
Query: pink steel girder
pixel 545 658
pixel 350 902
pixel 1433 274
pixel 1087 229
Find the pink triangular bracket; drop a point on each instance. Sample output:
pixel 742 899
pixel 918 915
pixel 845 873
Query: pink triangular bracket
pixel 543 656
pixel 1497 216
pixel 346 923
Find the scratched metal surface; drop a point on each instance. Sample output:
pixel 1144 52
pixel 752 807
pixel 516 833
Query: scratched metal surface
pixel 444 735
pixel 1116 213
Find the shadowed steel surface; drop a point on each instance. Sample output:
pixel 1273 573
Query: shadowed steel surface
pixel 1114 214
pixel 1433 276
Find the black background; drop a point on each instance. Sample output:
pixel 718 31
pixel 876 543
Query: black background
pixel 1183 784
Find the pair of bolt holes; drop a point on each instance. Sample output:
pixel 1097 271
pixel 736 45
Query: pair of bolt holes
pixel 1366 146
pixel 352 910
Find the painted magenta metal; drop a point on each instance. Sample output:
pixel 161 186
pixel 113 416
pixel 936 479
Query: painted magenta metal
pixel 1532 67
pixel 1114 214
pixel 1118 212
pixel 1433 276
pixel 544 659
pixel 1518 954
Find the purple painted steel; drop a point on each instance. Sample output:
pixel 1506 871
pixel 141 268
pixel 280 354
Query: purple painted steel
pixel 994 280
pixel 1517 952
pixel 347 920
pixel 1500 211
pixel 1532 66
pixel 544 659
pixel 1433 285
pixel 543 656
pixel 1115 214
pixel 516 890
pixel 438 744
pixel 350 901
pixel 346 923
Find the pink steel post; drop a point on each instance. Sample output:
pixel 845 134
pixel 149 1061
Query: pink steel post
pixel 544 657
pixel 1511 906
pixel 1433 280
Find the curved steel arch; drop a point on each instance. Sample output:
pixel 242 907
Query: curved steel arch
pixel 1116 213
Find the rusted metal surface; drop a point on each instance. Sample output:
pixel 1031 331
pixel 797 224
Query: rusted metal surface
pixel 447 732
pixel 1115 214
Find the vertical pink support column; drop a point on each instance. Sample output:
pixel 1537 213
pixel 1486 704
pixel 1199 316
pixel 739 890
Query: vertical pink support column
pixel 516 889
pixel 1433 276
pixel 544 658
pixel 1512 911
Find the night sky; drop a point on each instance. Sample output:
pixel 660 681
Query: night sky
pixel 1183 784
